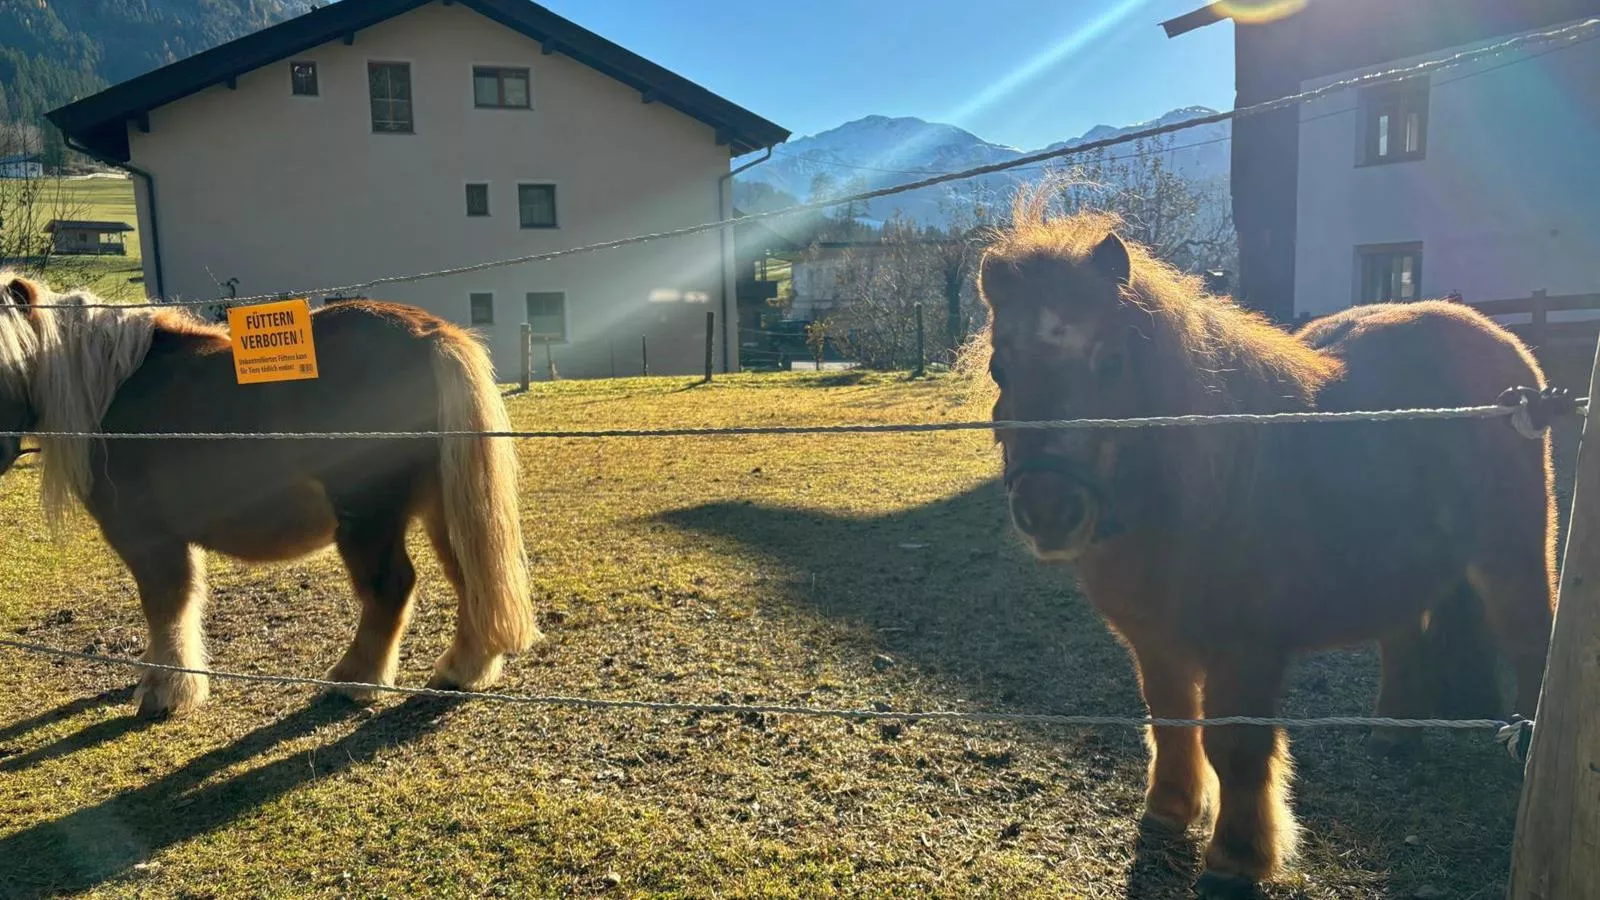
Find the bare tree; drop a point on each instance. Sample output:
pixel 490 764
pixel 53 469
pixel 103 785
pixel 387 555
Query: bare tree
pixel 28 204
pixel 1187 223
pixel 881 282
pixel 969 213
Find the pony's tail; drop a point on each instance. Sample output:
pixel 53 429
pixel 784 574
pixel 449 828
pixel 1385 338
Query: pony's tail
pixel 478 488
pixel 1460 659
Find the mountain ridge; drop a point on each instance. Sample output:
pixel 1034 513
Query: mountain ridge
pixel 878 151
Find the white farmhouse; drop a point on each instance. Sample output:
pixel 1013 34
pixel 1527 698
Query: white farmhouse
pixel 1478 181
pixel 370 138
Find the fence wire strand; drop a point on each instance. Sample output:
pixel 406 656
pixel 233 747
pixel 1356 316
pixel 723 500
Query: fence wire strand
pixel 685 706
pixel 1184 421
pixel 1571 32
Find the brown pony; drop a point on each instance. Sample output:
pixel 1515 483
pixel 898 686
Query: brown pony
pixel 68 366
pixel 1218 553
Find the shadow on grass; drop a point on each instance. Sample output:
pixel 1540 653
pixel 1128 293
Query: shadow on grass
pixel 947 588
pixel 93 845
pixel 82 739
pixel 113 697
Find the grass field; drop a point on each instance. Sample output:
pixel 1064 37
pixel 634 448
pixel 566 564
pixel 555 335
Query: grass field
pixel 117 278
pixel 832 571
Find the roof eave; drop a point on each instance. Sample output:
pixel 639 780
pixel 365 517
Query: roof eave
pixel 99 121
pixel 1199 18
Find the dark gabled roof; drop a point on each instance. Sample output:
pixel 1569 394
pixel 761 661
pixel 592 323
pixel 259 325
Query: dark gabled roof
pixel 99 122
pixel 1199 18
pixel 103 227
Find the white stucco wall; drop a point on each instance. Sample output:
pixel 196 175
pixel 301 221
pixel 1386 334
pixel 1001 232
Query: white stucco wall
pixel 1505 202
pixel 291 193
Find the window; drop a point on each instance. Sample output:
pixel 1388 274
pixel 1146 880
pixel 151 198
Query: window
pixel 497 88
pixel 390 86
pixel 482 308
pixel 547 315
pixel 303 79
pixel 477 199
pixel 536 205
pixel 1391 273
pixel 1395 122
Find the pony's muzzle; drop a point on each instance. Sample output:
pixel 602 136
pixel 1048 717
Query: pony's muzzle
pixel 1055 513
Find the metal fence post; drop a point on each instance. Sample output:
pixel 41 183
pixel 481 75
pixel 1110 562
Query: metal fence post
pixel 527 355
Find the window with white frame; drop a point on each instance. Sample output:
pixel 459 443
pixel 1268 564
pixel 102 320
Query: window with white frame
pixel 547 315
pixel 536 205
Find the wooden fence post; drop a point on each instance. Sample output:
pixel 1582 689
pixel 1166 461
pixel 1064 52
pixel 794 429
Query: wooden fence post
pixel 527 354
pixel 644 352
pixel 1539 308
pixel 922 356
pixel 550 359
pixel 612 346
pixel 711 341
pixel 1556 852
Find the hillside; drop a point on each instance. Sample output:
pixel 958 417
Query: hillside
pixel 56 51
pixel 879 151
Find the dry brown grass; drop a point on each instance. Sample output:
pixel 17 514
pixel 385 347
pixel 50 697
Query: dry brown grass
pixel 838 571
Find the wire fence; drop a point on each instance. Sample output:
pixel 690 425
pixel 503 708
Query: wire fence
pixel 1505 729
pixel 1572 32
pixel 1512 733
pixel 1184 421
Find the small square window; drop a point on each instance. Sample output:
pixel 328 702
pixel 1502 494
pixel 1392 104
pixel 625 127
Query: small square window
pixel 482 308
pixel 536 205
pixel 547 315
pixel 1395 122
pixel 1390 274
pixel 303 79
pixel 500 88
pixel 477 199
pixel 390 87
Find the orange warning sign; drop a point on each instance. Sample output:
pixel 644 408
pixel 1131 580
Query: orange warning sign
pixel 272 342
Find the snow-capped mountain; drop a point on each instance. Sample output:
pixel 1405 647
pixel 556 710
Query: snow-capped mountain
pixel 878 151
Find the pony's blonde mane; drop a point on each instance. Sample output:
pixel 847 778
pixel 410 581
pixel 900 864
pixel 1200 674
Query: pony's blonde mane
pixel 68 357
pixel 1213 337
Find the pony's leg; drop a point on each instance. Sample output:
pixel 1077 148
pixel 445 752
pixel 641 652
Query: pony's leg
pixel 464 664
pixel 1179 778
pixel 374 551
pixel 1403 691
pixel 1255 831
pixel 172 591
pixel 1518 598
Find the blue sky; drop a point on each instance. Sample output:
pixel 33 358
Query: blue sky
pixel 1019 72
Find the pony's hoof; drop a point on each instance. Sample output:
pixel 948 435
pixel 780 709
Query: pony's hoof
pixel 1221 886
pixel 456 671
pixel 1156 825
pixel 164 694
pixel 358 695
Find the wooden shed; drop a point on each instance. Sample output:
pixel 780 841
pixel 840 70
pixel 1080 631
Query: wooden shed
pixel 92 238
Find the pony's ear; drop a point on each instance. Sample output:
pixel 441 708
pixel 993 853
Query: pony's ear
pixel 18 290
pixel 1110 259
pixel 993 274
